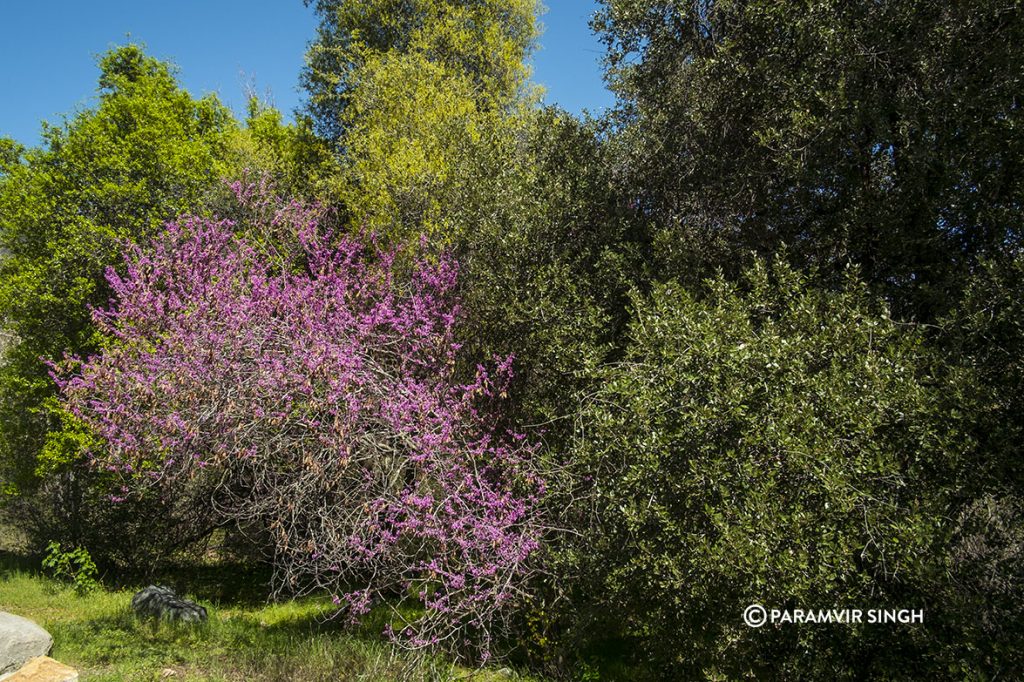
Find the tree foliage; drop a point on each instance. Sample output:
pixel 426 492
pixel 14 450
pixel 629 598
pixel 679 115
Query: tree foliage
pixel 421 97
pixel 980 355
pixel 685 429
pixel 487 41
pixel 289 154
pixel 982 347
pixel 887 134
pixel 147 152
pixel 551 256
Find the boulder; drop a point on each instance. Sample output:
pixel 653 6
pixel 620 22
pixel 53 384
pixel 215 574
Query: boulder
pixel 20 640
pixel 42 669
pixel 161 602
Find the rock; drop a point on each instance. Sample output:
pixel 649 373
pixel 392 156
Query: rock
pixel 20 640
pixel 42 669
pixel 161 602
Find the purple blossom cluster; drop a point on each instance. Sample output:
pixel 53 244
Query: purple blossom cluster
pixel 315 399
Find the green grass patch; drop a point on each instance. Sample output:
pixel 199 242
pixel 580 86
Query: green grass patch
pixel 98 634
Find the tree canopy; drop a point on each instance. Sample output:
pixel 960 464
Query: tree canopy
pixel 487 41
pixel 886 134
pixel 146 153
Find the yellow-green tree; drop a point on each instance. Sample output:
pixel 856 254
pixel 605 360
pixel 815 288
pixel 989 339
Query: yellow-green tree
pixel 115 173
pixel 418 98
pixel 486 41
pixel 289 155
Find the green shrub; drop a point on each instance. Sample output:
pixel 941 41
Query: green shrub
pixel 769 443
pixel 72 566
pixel 982 352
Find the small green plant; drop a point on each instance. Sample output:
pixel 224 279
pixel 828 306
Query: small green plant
pixel 588 672
pixel 75 567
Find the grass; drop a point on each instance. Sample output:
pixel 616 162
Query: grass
pixel 98 634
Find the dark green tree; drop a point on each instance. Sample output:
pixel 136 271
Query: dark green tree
pixel 550 258
pixel 885 133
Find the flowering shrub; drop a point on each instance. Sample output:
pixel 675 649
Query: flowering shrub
pixel 314 396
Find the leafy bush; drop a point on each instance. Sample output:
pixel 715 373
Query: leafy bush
pixel 765 443
pixel 981 348
pixel 74 566
pixel 981 606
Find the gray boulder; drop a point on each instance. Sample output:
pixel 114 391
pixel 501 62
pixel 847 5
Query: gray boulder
pixel 162 603
pixel 20 640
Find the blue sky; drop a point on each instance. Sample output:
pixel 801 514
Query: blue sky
pixel 48 52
